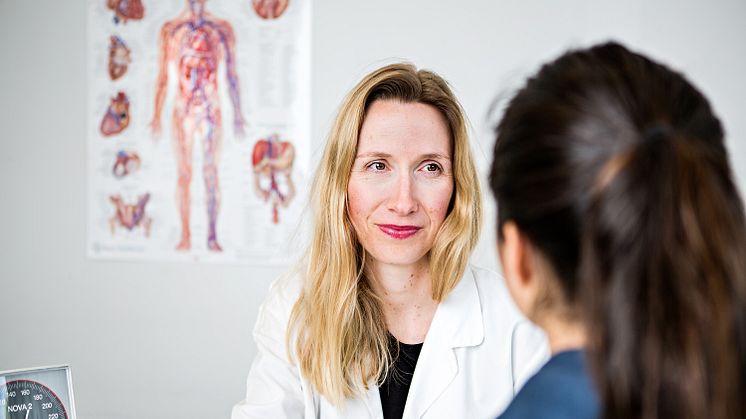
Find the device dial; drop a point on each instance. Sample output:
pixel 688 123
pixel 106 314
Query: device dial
pixel 28 399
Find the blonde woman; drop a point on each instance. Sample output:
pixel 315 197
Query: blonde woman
pixel 387 319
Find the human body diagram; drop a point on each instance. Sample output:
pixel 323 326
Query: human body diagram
pixel 197 42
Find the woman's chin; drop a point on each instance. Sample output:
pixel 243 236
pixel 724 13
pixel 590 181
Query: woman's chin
pixel 399 257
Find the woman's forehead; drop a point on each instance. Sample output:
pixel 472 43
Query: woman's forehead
pixel 392 127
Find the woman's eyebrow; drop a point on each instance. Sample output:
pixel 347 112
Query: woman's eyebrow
pixel 378 154
pixel 435 156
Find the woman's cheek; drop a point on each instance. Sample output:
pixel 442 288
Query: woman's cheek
pixel 441 199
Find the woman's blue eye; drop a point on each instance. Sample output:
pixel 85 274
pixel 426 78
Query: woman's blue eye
pixel 432 167
pixel 377 166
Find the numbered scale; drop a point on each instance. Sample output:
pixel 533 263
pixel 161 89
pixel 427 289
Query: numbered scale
pixel 37 393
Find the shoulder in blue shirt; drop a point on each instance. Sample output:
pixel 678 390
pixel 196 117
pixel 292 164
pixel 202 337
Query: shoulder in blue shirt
pixel 562 389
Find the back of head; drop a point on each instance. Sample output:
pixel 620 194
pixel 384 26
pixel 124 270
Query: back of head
pixel 614 167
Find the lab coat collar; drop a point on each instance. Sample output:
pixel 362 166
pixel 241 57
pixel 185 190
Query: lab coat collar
pixel 457 323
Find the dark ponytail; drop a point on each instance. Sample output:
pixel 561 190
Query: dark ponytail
pixel 662 272
pixel 614 167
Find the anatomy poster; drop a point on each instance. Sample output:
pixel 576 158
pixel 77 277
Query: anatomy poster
pixel 198 129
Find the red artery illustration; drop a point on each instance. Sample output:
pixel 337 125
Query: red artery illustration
pixel 126 163
pixel 126 10
pixel 272 161
pixel 198 66
pixel 269 9
pixel 197 42
pixel 119 57
pixel 117 116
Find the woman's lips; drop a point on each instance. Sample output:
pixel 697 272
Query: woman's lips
pixel 399 232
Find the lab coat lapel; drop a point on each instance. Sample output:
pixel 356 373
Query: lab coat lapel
pixel 457 323
pixel 373 403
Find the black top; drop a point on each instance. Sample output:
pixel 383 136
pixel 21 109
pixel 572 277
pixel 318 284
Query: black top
pixel 562 389
pixel 395 388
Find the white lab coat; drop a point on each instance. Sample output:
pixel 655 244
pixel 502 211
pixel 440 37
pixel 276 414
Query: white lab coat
pixel 478 352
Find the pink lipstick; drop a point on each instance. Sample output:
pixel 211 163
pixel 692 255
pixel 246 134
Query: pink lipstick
pixel 399 232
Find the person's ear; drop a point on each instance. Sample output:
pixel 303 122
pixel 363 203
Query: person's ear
pixel 516 256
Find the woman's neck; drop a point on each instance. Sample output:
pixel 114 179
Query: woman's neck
pixel 564 335
pixel 406 295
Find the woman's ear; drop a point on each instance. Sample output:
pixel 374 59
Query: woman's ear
pixel 516 256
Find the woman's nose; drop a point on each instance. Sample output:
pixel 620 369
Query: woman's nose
pixel 402 200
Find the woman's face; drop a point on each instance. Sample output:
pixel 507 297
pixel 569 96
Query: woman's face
pixel 401 181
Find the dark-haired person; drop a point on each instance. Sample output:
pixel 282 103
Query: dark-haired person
pixel 622 235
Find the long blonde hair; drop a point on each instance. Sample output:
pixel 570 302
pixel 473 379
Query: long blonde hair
pixel 337 325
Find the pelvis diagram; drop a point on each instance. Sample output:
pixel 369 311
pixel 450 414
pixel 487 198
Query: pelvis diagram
pixel 272 161
pixel 130 215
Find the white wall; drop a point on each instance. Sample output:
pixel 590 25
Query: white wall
pixel 166 340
